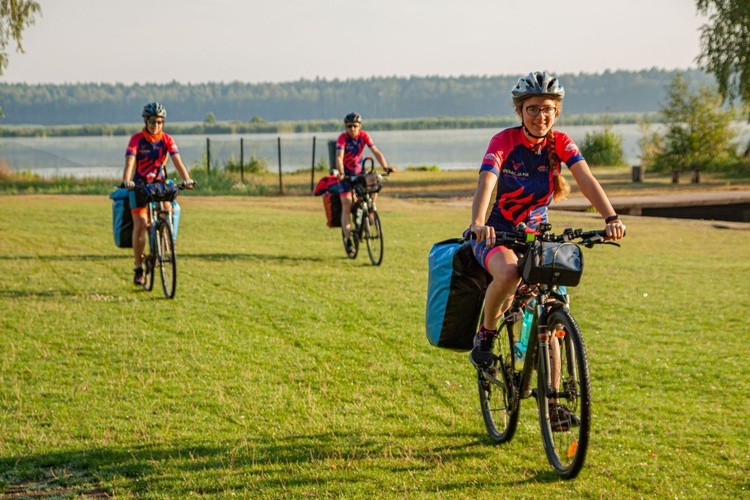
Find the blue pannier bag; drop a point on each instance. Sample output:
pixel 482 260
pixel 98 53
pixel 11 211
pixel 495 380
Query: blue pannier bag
pixel 122 219
pixel 455 295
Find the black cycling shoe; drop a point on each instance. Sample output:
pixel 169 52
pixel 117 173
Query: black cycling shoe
pixel 561 418
pixel 138 278
pixel 481 355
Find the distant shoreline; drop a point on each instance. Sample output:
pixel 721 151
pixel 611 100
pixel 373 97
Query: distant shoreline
pixel 302 126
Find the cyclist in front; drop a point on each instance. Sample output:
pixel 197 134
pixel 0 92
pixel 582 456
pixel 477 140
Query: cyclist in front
pixel 350 148
pixel 524 163
pixel 145 162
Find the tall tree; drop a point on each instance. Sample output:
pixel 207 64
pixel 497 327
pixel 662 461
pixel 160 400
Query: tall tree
pixel 725 48
pixel 15 16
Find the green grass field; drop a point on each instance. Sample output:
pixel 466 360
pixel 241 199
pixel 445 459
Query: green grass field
pixel 284 370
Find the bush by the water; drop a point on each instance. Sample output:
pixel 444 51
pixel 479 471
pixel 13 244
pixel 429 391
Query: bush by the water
pixel 603 148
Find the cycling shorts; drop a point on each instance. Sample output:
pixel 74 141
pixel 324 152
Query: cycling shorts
pixel 345 187
pixel 483 253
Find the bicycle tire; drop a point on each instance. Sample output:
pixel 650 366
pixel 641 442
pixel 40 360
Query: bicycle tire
pixel 374 237
pixel 499 401
pixel 354 236
pixel 566 446
pixel 148 262
pixel 167 260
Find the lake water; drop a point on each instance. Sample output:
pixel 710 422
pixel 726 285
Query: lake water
pixel 448 149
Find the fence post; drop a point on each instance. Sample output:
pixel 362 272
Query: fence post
pixel 331 156
pixel 208 157
pixel 637 173
pixel 281 183
pixel 312 168
pixel 242 160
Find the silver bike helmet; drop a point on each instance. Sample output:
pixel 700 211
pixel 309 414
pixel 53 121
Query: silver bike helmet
pixel 353 118
pixel 537 84
pixel 154 109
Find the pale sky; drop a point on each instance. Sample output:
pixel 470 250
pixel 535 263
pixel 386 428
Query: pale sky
pixel 190 41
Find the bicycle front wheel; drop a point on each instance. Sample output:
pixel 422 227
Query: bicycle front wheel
pixel 167 260
pixel 498 395
pixel 373 233
pixel 149 261
pixel 565 418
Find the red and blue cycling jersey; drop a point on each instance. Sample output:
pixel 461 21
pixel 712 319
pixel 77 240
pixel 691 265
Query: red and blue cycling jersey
pixel 150 155
pixel 525 181
pixel 354 149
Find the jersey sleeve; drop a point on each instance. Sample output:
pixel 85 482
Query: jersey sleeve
pixel 132 149
pixel 367 139
pixel 171 145
pixel 566 149
pixel 341 142
pixel 493 158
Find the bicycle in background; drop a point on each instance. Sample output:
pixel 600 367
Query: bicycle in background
pixel 555 350
pixel 366 225
pixel 161 254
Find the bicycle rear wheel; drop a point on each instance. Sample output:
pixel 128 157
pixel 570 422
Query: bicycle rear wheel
pixel 373 233
pixel 565 433
pixel 498 395
pixel 167 260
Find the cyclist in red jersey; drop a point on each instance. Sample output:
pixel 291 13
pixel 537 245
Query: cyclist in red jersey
pixel 145 162
pixel 524 163
pixel 350 148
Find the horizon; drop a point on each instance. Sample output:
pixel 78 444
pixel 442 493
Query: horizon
pixel 349 79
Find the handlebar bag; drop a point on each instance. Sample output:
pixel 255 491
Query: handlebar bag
pixel 122 219
pixel 372 184
pixel 161 191
pixel 552 263
pixel 455 295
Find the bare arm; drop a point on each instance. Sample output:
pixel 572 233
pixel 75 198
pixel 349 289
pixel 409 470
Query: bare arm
pixel 593 192
pixel 127 175
pixel 340 162
pixel 482 196
pixel 180 167
pixel 381 159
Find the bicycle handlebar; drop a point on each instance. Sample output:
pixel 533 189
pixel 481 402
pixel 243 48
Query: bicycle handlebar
pixel 520 239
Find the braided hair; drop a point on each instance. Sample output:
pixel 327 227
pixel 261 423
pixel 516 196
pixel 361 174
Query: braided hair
pixel 561 187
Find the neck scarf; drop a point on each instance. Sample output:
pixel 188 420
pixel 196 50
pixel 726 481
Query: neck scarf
pixel 152 138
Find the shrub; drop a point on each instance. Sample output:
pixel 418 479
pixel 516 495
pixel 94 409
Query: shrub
pixel 603 148
pixel 252 166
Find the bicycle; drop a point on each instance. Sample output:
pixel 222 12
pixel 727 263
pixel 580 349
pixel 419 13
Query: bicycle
pixel 160 246
pixel 557 353
pixel 366 223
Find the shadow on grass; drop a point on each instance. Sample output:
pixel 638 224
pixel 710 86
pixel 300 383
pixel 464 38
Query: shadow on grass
pixel 256 465
pixel 203 256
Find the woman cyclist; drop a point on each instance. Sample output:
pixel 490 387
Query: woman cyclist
pixel 524 162
pixel 145 162
pixel 350 148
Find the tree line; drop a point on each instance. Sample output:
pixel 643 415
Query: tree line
pixel 616 92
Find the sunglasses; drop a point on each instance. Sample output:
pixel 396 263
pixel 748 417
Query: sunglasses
pixel 352 125
pixel 156 122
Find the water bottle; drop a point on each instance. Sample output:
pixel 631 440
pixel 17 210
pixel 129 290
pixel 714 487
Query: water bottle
pixel 359 215
pixel 175 219
pixel 521 332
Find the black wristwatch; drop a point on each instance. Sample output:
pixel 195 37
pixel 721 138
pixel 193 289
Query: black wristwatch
pixel 611 218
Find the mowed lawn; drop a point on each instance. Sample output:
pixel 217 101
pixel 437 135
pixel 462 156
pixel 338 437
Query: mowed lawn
pixel 282 369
